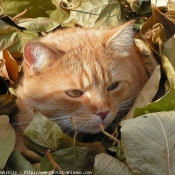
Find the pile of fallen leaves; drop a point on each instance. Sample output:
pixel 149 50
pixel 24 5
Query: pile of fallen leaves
pixel 147 141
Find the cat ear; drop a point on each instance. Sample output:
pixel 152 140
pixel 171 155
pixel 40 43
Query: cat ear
pixel 37 56
pixel 121 38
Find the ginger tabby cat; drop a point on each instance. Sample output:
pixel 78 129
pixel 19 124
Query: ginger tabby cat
pixel 86 74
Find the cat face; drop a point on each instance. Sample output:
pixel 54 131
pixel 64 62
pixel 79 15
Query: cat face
pixel 86 75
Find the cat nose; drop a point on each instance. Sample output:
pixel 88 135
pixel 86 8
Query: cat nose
pixel 102 114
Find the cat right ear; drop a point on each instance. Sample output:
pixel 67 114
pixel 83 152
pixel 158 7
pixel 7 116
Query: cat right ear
pixel 121 38
pixel 37 56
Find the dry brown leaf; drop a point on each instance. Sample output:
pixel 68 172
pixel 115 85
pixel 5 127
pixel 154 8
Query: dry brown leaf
pixel 161 18
pixel 8 66
pixel 11 66
pixel 147 57
pixel 3 70
pixel 147 93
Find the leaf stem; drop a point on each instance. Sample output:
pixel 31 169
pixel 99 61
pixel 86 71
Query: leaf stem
pixel 54 164
pixel 107 134
pixel 75 136
pixel 19 15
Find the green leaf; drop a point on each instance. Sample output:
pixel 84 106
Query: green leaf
pixel 7 140
pixel 14 42
pixel 147 94
pixel 148 143
pixel 5 28
pixel 58 14
pixel 11 22
pixel 134 5
pixel 145 7
pixel 7 104
pixel 43 134
pixel 18 163
pixel 111 16
pixel 140 7
pixel 34 8
pixel 74 158
pixel 107 165
pixel 40 24
pixel 166 103
pixel 100 14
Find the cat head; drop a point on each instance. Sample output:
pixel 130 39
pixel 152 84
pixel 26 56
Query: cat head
pixel 84 74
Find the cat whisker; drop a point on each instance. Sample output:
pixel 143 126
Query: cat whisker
pixel 64 126
pixel 60 118
pixel 63 121
pixel 80 129
pixel 73 128
pixel 69 131
pixel 98 136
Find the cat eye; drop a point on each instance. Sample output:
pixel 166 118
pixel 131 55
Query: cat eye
pixel 74 93
pixel 112 86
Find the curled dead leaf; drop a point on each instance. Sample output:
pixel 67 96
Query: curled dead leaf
pixel 8 66
pixel 147 57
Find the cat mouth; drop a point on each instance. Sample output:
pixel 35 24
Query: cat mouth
pixel 92 124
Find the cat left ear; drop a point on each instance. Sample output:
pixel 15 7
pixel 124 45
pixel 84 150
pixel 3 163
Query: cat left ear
pixel 121 37
pixel 37 56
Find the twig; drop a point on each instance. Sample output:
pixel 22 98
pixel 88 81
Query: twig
pixel 67 9
pixel 73 122
pixel 54 164
pixel 19 15
pixel 107 134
